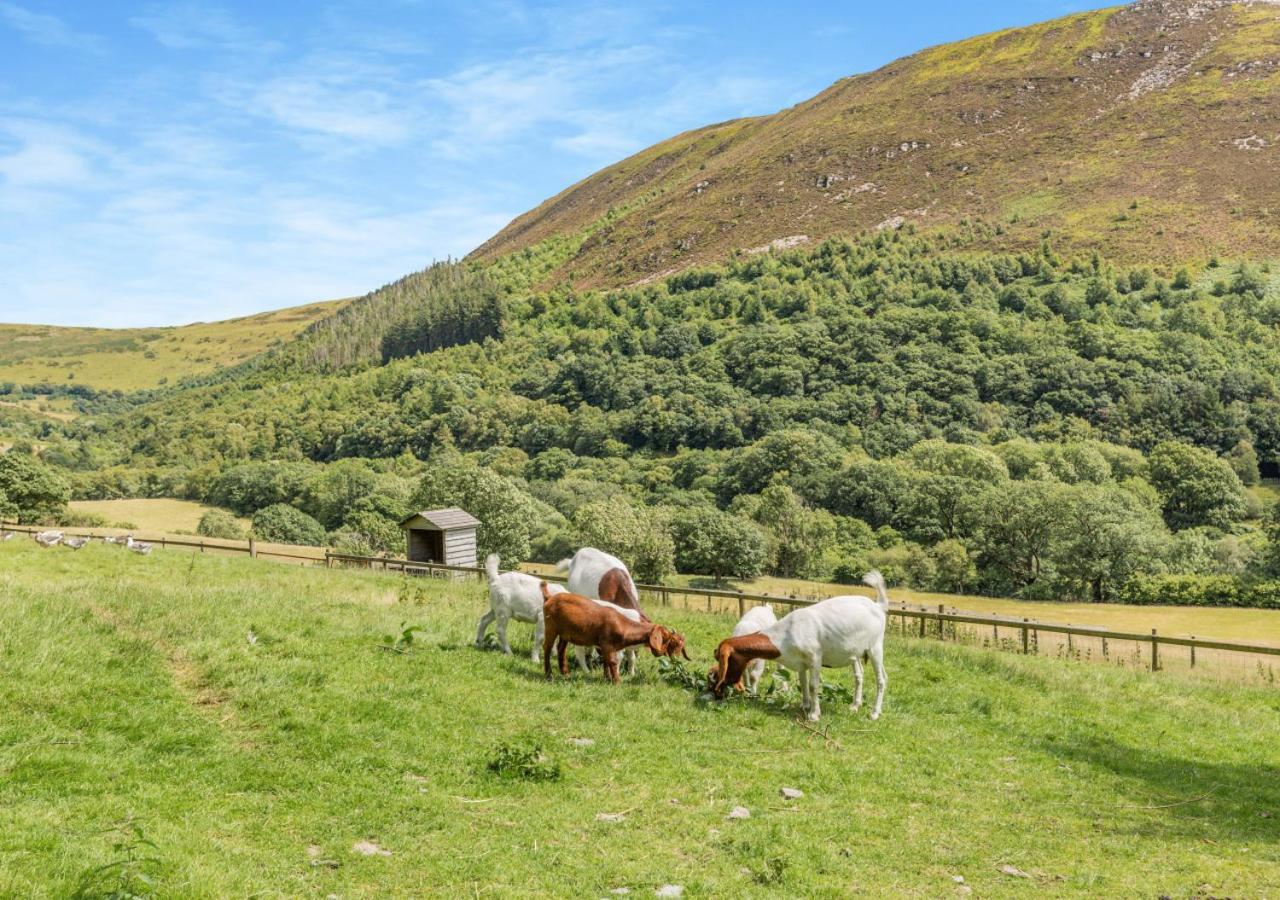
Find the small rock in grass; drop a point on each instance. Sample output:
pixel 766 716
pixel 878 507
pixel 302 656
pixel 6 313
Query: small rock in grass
pixel 958 879
pixel 1265 814
pixel 611 817
pixel 739 812
pixel 368 848
pixel 670 890
pixel 791 793
pixel 621 890
pixel 581 742
pixel 963 889
pixel 1013 871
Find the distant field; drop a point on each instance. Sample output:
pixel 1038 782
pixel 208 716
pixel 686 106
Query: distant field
pixel 244 716
pixel 162 515
pixel 134 358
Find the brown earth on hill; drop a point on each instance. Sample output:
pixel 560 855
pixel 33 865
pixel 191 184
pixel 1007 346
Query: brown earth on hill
pixel 1149 131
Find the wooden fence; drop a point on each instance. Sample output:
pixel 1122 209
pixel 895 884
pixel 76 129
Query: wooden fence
pixel 1023 635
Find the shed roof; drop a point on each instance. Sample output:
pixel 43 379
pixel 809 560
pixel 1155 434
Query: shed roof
pixel 445 519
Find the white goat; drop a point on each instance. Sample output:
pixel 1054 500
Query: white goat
pixel 840 631
pixel 583 654
pixel 513 595
pixel 602 576
pixel 758 618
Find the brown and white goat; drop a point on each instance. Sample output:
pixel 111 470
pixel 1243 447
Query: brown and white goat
pixel 839 631
pixel 574 619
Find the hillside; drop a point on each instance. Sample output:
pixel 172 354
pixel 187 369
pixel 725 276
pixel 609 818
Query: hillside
pixel 243 715
pixel 129 359
pixel 1149 132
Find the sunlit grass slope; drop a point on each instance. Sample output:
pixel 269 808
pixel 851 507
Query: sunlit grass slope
pixel 244 715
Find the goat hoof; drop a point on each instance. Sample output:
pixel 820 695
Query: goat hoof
pixel 854 707
pixel 875 715
pixel 814 716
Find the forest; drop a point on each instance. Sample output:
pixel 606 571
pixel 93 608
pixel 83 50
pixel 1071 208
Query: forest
pixel 1018 424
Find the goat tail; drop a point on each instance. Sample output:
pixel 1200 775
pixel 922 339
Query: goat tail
pixel 876 580
pixel 491 567
pixel 563 565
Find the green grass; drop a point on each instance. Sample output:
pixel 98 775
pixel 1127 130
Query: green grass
pixel 134 358
pixel 131 688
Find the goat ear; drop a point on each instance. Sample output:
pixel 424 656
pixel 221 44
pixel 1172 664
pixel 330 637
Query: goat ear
pixel 657 639
pixel 722 667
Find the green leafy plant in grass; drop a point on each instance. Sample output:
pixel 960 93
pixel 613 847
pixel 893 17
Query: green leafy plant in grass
pixel 413 593
pixel 777 692
pixel 130 874
pixel 772 871
pixel 522 762
pixel 403 642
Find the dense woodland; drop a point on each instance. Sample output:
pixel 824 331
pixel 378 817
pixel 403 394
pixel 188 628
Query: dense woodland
pixel 967 421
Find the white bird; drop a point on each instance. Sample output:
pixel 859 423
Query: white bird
pixel 75 543
pixel 122 539
pixel 48 538
pixel 138 546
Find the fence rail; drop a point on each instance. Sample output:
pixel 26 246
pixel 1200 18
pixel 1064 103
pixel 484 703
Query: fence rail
pixel 1028 630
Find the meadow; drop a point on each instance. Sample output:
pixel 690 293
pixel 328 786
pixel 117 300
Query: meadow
pixel 129 359
pixel 157 514
pixel 249 719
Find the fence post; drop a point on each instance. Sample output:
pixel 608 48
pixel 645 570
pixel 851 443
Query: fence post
pixel 1193 652
pixel 328 560
pixel 1026 638
pixel 1155 652
pixel 742 605
pixel 1071 646
pixel 942 625
pixel 253 549
pixel 202 545
pixel 922 623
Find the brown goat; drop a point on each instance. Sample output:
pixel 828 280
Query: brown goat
pixel 573 619
pixel 732 657
pixel 617 587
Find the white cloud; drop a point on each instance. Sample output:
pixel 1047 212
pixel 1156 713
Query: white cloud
pixel 332 106
pixel 188 26
pixel 47 156
pixel 46 30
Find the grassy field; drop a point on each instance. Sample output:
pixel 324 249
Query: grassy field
pixel 159 514
pixel 244 716
pixel 133 358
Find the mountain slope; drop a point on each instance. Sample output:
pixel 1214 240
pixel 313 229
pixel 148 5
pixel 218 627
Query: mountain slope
pixel 1148 132
pixel 129 359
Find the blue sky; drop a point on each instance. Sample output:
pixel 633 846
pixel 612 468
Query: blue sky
pixel 174 162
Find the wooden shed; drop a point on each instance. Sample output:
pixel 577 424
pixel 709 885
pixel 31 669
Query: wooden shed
pixel 441 536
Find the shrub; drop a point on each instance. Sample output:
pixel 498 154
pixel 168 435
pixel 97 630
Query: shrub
pixel 30 490
pixel 1199 590
pixel 79 519
pixel 283 524
pixel 710 542
pixel 218 523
